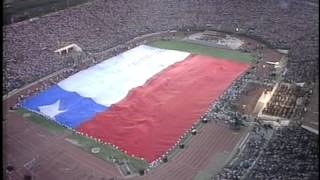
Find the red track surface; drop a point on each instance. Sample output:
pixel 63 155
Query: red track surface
pixel 153 117
pixel 58 159
pixel 204 148
pixel 54 157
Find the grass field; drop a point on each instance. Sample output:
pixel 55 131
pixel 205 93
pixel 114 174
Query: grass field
pixel 204 50
pixel 43 122
pixel 107 152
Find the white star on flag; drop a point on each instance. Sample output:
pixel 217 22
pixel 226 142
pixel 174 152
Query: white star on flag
pixel 51 110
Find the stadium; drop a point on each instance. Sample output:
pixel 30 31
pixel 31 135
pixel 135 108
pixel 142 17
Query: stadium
pixel 158 89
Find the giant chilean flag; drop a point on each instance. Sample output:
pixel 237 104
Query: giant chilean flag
pixel 142 100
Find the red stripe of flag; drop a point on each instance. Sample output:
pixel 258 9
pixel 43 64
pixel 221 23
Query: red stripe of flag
pixel 153 117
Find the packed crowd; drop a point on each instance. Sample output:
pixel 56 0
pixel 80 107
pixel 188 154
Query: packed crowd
pixel 304 59
pixel 288 101
pixel 292 153
pixel 285 153
pixel 302 71
pixel 29 46
pixel 248 156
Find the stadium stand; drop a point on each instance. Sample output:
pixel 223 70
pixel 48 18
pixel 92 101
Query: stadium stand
pixel 95 26
pixel 288 153
pixel 291 153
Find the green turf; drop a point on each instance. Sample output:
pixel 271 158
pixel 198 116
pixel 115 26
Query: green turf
pixel 106 153
pixel 204 50
pixel 43 122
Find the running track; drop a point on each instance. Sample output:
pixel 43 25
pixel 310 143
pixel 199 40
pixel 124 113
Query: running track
pixel 58 159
